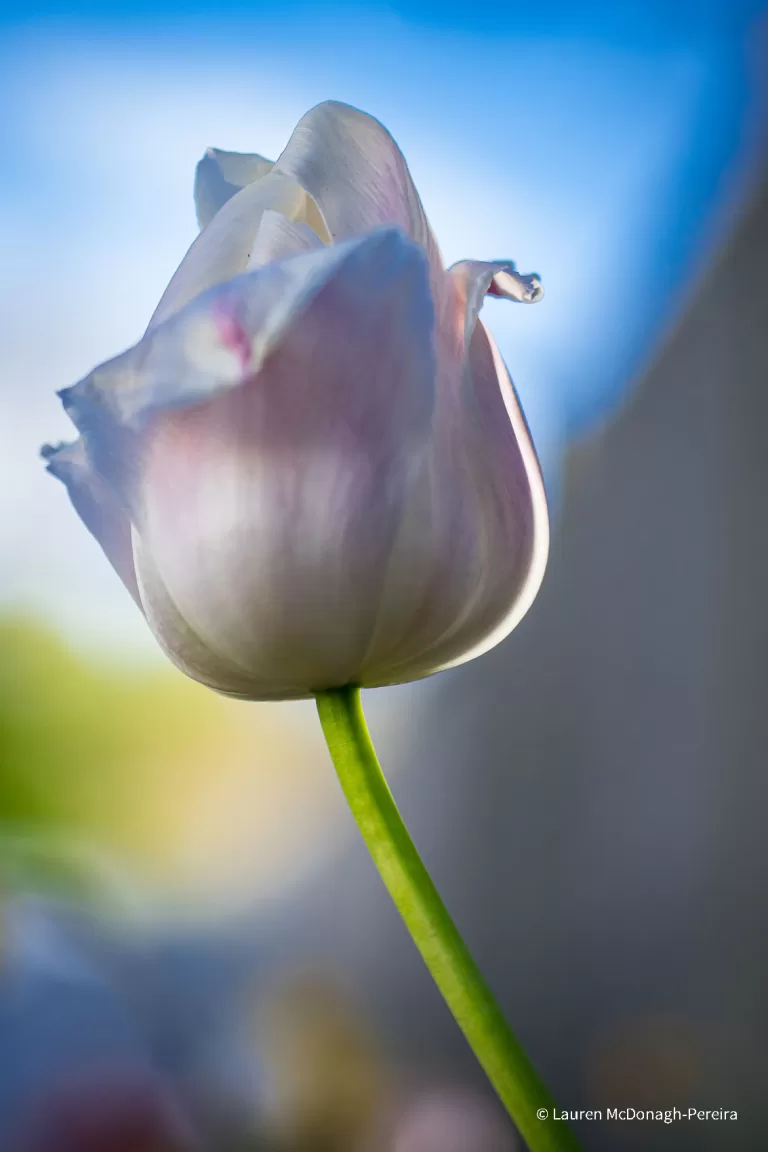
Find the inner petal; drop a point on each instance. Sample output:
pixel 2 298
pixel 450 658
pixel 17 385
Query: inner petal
pixel 223 249
pixel 279 237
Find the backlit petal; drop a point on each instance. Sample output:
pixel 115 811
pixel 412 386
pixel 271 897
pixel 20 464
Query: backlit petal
pixel 213 345
pixel 512 540
pixel 223 249
pixel 97 506
pixel 187 651
pixel 269 513
pixel 220 175
pixel 473 542
pixel 279 237
pixel 357 175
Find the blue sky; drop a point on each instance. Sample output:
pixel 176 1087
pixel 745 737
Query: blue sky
pixel 653 20
pixel 604 146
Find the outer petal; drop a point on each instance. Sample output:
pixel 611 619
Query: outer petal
pixel 265 515
pixel 186 649
pixel 473 544
pixel 357 175
pixel 98 508
pixel 223 249
pixel 103 516
pixel 212 346
pixel 512 505
pixel 219 175
pixel 269 513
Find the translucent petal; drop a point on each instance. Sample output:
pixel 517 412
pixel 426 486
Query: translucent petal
pixel 187 651
pixel 473 541
pixel 279 237
pixel 223 249
pixel 220 175
pixel 212 346
pixel 356 174
pixel 269 512
pixel 97 506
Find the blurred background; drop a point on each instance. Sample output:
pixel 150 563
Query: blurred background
pixel 194 949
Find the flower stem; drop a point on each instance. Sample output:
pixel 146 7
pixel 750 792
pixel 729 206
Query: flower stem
pixel 434 933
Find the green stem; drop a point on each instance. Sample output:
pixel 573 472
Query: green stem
pixel 434 933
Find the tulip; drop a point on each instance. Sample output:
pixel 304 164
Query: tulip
pixel 313 469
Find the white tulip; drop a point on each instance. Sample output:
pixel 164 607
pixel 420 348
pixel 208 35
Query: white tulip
pixel 313 469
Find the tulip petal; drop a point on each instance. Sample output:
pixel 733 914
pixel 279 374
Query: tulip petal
pixel 477 279
pixel 472 547
pixel 223 249
pixel 279 237
pixel 219 175
pixel 97 507
pixel 213 345
pixel 355 172
pixel 512 506
pixel 269 512
pixel 187 651
pixel 510 522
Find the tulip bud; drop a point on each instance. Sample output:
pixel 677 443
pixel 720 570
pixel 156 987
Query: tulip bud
pixel 313 469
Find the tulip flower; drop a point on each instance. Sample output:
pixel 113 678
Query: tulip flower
pixel 313 474
pixel 313 469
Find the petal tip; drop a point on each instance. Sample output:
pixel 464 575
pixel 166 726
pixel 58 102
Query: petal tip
pixel 509 284
pixel 61 459
pixel 67 396
pixel 534 291
pixel 49 453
